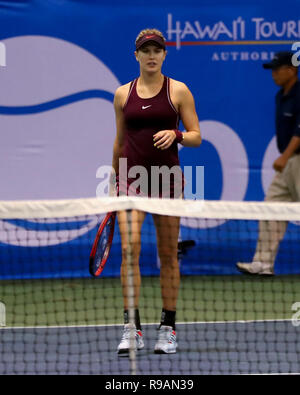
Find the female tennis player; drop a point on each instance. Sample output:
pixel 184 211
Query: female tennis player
pixel 148 111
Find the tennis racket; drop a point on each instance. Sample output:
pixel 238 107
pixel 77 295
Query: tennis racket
pixel 102 244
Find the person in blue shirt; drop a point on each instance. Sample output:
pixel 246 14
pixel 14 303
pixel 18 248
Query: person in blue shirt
pixel 285 186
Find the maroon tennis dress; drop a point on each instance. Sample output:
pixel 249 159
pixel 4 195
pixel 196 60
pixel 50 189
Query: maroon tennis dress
pixel 144 118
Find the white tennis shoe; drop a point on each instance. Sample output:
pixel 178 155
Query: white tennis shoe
pixel 256 268
pixel 166 343
pixel 124 346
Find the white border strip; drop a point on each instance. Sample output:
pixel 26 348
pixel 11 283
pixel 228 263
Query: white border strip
pixel 280 211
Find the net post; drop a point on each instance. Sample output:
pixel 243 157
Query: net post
pixel 130 283
pixel 2 315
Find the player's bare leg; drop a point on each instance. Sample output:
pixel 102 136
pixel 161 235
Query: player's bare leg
pixel 167 230
pixel 136 225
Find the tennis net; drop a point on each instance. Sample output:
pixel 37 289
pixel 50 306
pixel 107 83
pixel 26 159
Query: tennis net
pixel 56 319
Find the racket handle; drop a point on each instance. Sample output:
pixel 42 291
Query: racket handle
pixel 113 185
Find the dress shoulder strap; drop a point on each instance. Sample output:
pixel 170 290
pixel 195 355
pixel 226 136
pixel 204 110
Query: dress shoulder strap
pixel 132 84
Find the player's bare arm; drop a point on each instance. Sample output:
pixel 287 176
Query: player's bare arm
pixel 281 162
pixel 119 101
pixel 184 99
pixel 184 103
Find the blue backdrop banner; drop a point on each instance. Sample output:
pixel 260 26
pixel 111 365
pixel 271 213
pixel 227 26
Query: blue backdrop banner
pixel 62 60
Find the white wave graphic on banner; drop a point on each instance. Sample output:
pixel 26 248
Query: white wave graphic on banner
pixel 53 151
pixel 20 236
pixel 39 69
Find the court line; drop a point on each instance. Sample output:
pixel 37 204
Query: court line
pixel 145 324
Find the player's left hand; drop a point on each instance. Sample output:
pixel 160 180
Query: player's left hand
pixel 280 163
pixel 164 139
